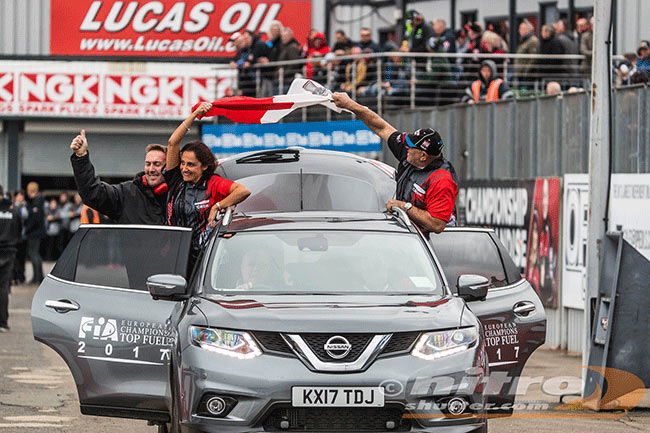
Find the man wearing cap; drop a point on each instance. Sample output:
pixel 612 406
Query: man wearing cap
pixel 426 182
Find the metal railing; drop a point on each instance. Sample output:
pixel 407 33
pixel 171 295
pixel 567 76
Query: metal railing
pixel 533 137
pixel 396 80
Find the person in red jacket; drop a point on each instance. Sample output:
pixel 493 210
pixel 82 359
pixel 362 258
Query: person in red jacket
pixel 317 48
pixel 196 194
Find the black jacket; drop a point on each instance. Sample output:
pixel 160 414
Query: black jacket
pixel 35 222
pixel 129 202
pixel 11 226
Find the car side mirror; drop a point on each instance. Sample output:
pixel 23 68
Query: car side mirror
pixel 472 287
pixel 168 287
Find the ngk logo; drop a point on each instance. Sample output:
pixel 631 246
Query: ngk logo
pixel 7 87
pixel 143 90
pixel 156 16
pixel 202 89
pixel 59 88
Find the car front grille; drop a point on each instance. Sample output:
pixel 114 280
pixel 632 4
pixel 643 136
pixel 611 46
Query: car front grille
pixel 316 343
pixel 400 342
pixel 340 419
pixel 273 342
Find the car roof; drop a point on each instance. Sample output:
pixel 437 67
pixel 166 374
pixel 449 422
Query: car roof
pixel 318 220
pixel 293 159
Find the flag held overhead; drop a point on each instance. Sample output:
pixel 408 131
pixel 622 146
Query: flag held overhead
pixel 243 109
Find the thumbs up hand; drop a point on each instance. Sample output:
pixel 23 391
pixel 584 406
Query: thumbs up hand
pixel 80 145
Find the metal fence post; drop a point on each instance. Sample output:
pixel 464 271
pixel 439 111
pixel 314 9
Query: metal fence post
pixel 643 130
pixel 559 162
pixel 328 113
pixel 258 81
pixel 535 140
pixel 514 122
pixel 412 83
pixel 491 133
pixel 379 89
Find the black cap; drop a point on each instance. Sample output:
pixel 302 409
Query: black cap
pixel 425 139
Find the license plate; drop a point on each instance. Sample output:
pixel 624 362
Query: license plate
pixel 337 396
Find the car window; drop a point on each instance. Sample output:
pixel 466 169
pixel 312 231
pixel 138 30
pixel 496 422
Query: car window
pixel 468 253
pixel 308 191
pixel 124 257
pixel 322 262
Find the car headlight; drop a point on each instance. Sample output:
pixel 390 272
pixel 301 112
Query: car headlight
pixel 434 345
pixel 230 343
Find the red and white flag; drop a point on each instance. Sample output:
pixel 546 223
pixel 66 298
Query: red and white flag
pixel 243 109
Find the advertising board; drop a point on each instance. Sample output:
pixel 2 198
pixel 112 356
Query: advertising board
pixel 166 28
pixel 108 89
pixel 343 135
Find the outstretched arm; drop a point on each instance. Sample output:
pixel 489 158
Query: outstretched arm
pixel 174 148
pixel 238 193
pixel 372 120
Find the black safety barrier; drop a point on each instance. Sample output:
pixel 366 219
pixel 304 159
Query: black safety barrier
pixel 620 333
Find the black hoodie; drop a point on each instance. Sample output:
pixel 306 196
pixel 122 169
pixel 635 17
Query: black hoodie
pixel 130 202
pixel 11 226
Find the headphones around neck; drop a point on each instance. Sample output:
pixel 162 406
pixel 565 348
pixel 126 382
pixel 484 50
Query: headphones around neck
pixel 160 189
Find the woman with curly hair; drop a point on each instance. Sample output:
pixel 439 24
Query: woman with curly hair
pixel 196 195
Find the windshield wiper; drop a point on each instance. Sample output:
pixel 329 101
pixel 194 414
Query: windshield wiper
pixel 270 156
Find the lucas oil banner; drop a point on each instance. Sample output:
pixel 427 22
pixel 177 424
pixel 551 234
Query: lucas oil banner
pixel 525 215
pixel 166 28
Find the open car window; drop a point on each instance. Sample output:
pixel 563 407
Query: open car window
pixel 471 252
pixel 123 256
pixel 337 262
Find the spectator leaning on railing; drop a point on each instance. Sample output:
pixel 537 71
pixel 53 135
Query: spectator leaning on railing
pixel 366 42
pixel 528 44
pixel 551 45
pixel 342 42
pixel 643 62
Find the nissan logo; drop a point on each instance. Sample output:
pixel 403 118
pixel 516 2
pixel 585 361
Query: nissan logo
pixel 337 347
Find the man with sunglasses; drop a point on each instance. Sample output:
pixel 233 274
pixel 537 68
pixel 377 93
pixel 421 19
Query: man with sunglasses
pixel 426 182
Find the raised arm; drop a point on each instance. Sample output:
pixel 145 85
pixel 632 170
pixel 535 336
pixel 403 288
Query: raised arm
pixel 372 120
pixel 174 148
pixel 99 195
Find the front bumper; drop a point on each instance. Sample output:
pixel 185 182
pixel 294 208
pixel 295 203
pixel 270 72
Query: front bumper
pixel 262 387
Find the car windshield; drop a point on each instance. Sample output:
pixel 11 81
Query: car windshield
pixel 322 262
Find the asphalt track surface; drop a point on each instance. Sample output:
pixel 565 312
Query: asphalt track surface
pixel 38 394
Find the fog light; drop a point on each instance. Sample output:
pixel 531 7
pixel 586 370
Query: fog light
pixel 456 406
pixel 216 406
pixel 390 425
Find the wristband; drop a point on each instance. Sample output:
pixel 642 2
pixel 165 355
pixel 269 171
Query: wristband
pixel 218 205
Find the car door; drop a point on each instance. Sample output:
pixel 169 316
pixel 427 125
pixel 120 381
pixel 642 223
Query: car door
pixel 512 315
pixel 95 311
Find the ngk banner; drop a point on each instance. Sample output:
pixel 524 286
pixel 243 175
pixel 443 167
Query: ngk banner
pixel 166 28
pixel 108 89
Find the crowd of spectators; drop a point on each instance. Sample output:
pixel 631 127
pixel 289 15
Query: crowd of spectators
pixel 432 80
pixel 48 225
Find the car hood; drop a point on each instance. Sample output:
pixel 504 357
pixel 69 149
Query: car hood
pixel 335 313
